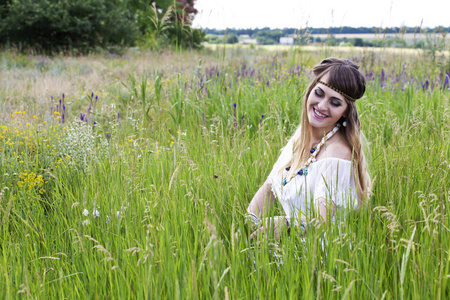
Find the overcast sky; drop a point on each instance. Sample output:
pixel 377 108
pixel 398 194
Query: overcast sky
pixel 221 14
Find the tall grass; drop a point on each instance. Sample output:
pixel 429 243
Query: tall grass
pixel 154 208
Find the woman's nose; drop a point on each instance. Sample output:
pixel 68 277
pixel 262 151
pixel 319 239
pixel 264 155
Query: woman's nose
pixel 322 104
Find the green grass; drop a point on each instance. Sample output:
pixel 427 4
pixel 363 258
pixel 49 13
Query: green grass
pixel 172 184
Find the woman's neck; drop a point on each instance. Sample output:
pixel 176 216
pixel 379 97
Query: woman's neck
pixel 318 133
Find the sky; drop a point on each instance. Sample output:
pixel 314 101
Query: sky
pixel 222 14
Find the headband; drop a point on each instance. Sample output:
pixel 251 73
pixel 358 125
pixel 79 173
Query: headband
pixel 337 90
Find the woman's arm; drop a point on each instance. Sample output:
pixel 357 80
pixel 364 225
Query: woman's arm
pixel 325 209
pixel 259 207
pixel 264 198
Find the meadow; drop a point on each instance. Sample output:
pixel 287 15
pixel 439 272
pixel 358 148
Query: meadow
pixel 129 177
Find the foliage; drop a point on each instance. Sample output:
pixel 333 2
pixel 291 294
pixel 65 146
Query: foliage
pixel 166 24
pixel 81 26
pixel 50 25
pixel 231 38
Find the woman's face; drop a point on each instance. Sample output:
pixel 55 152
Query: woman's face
pixel 325 106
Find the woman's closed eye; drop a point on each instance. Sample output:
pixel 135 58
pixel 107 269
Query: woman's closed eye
pixel 336 103
pixel 318 92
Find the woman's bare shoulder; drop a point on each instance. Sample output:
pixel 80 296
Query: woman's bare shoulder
pixel 338 149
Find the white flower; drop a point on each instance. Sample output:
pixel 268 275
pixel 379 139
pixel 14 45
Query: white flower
pixel 85 212
pixel 95 213
pixel 118 214
pixel 86 223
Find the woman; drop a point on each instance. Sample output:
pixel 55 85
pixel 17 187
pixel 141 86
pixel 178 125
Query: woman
pixel 322 168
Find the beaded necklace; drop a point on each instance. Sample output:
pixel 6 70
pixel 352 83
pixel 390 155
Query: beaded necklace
pixel 314 151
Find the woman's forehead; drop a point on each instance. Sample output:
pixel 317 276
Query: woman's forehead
pixel 327 90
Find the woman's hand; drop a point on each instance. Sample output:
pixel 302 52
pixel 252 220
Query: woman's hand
pixel 274 224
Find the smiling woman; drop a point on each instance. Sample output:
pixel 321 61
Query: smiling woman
pixel 322 168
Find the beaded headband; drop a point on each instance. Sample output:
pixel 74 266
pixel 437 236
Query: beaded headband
pixel 337 90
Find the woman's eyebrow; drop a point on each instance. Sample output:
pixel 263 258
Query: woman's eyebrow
pixel 332 97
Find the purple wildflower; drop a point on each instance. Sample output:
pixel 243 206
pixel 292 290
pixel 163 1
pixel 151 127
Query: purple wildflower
pixel 235 121
pixel 425 85
pixel 446 81
pixel 108 136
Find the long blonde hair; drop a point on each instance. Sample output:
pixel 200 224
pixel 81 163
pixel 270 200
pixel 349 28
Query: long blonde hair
pixel 346 77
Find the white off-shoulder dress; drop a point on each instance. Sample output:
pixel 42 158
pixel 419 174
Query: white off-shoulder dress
pixel 329 178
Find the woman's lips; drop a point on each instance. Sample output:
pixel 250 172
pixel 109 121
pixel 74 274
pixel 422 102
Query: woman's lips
pixel 319 115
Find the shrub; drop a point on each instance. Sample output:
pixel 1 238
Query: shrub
pixel 62 25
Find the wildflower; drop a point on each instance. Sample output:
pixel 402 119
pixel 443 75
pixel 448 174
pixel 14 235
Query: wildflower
pixel 234 114
pixel 446 81
pixel 86 223
pixel 382 77
pixel 96 213
pixel 118 214
pixel 85 212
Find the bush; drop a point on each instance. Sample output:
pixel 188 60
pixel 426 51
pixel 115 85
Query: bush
pixel 62 25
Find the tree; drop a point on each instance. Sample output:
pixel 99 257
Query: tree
pixel 178 16
pixel 358 42
pixel 61 25
pixel 231 38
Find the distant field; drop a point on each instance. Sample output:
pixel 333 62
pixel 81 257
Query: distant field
pixel 340 50
pixel 409 37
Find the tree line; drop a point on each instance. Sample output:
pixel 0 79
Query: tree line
pixel 268 36
pixel 330 30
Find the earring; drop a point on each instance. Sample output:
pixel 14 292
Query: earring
pixel 344 123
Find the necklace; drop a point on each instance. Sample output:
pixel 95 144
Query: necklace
pixel 314 151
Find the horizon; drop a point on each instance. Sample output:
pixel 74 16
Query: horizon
pixel 333 27
pixel 258 14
